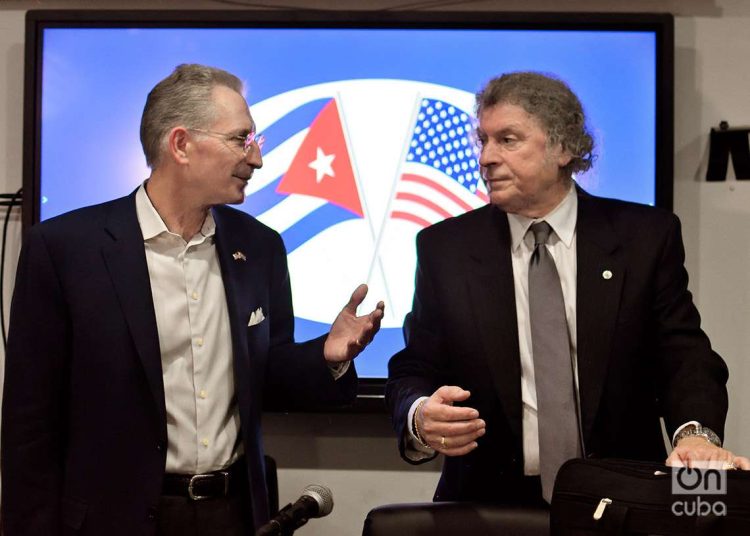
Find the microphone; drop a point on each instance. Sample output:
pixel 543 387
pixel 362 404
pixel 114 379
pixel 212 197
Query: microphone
pixel 316 501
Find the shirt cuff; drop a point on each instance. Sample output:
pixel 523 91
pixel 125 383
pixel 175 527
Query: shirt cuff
pixel 338 369
pixel 413 449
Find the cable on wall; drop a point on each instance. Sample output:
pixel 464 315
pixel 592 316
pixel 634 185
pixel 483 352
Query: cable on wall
pixel 10 201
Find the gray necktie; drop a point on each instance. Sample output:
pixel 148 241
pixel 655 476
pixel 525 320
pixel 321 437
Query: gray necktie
pixel 559 439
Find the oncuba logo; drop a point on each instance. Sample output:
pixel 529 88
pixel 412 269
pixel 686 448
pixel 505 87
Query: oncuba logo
pixel 352 171
pixel 708 480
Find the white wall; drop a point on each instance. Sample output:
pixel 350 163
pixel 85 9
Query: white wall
pixel 356 455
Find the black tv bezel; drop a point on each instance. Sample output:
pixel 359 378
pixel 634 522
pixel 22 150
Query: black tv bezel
pixel 371 389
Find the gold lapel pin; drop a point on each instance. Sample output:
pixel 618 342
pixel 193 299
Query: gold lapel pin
pixel 606 274
pixel 239 256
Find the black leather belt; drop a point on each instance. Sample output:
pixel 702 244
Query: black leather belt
pixel 207 485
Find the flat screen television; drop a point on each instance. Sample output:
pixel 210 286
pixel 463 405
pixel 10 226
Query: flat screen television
pixel 367 118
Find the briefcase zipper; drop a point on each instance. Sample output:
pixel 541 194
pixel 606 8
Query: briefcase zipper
pixel 599 512
pixel 603 503
pixel 601 506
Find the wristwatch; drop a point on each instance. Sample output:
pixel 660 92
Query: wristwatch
pixel 697 430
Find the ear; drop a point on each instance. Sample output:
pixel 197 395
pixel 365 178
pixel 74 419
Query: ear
pixel 178 141
pixel 563 157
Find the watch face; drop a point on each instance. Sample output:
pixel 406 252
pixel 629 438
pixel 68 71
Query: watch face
pixel 711 436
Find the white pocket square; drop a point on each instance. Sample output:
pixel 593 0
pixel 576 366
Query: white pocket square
pixel 256 317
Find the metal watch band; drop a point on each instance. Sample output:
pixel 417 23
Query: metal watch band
pixel 702 431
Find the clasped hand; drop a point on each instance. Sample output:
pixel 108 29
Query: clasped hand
pixel 450 430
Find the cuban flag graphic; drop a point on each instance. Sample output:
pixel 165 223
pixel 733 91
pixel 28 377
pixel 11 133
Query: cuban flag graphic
pixel 320 173
pixel 352 170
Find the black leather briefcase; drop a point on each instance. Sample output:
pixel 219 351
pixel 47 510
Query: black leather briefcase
pixel 630 497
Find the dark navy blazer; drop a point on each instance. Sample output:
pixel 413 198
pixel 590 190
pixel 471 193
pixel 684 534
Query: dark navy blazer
pixel 84 423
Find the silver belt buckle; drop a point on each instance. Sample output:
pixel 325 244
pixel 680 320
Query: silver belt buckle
pixel 196 478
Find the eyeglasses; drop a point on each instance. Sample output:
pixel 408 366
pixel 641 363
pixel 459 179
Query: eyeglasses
pixel 244 143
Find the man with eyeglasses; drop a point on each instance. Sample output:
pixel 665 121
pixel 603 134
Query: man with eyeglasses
pixel 147 333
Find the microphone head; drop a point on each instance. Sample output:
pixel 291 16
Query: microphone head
pixel 321 495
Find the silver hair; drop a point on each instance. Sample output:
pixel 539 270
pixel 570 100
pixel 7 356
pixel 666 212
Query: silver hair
pixel 181 99
pixel 553 104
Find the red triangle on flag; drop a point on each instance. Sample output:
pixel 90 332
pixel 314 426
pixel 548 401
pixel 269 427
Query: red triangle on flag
pixel 322 166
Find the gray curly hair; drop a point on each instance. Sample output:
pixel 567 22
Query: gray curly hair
pixel 553 104
pixel 183 98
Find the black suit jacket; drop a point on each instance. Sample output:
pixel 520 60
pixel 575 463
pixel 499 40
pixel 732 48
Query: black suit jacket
pixel 84 429
pixel 641 352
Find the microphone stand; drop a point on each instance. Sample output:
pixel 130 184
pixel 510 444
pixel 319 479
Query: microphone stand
pixel 274 528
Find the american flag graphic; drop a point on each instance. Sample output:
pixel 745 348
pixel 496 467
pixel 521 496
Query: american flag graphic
pixel 440 177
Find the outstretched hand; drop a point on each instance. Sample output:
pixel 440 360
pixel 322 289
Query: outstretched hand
pixel 351 333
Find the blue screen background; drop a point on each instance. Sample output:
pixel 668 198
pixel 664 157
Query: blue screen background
pixel 95 82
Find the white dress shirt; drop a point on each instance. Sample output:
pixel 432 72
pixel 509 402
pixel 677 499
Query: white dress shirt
pixel 195 341
pixel 203 419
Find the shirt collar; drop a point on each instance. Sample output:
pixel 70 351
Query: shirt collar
pixel 562 219
pixel 151 223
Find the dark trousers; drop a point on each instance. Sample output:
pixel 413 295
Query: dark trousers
pixel 221 516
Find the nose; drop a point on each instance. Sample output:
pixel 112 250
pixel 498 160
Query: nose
pixel 488 155
pixel 253 157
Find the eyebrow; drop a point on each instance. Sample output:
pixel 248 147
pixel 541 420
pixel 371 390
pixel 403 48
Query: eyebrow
pixel 513 127
pixel 246 131
pixel 509 129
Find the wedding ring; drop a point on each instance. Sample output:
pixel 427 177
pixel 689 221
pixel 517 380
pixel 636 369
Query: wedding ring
pixel 442 442
pixel 729 466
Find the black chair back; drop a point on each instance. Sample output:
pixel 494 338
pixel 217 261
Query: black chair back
pixel 454 518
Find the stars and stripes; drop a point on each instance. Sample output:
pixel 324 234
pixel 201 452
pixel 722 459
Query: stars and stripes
pixel 440 177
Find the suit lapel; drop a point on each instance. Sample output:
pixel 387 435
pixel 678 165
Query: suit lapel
pixel 236 262
pixel 239 271
pixel 600 278
pixel 125 259
pixel 490 280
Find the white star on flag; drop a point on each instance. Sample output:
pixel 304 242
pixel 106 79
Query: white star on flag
pixel 322 165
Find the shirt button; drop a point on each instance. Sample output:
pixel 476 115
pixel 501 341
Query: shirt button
pixel 194 295
pixel 203 393
pixel 199 341
pixel 204 442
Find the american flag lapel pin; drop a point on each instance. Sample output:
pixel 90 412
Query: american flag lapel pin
pixel 239 256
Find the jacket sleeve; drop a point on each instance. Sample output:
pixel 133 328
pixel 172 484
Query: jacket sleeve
pixel 297 374
pixel 418 369
pixel 34 408
pixel 694 376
